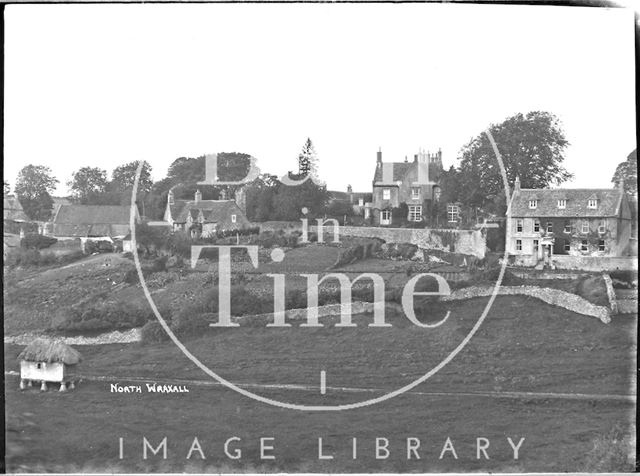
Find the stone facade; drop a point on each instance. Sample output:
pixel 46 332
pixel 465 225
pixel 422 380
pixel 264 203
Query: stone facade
pixel 414 183
pixel 546 223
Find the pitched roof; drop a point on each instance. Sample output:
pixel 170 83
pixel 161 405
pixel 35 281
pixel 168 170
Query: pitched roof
pixel 91 220
pixel 400 169
pixel 92 214
pixel 213 210
pixel 608 202
pixel 13 209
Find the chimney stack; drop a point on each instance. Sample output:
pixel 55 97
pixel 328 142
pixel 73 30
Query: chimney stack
pixel 379 155
pixel 198 196
pixel 516 185
pixel 171 198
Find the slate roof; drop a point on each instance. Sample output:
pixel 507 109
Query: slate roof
pixel 213 210
pixel 13 209
pixel 400 169
pixel 91 220
pixel 93 214
pixel 609 201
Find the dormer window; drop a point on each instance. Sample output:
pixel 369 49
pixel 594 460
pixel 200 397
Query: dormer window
pixel 562 203
pixel 415 193
pixel 386 194
pixel 592 203
pixel 533 203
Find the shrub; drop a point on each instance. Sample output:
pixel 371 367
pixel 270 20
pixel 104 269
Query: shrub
pixel 101 246
pixel 153 333
pixel 190 321
pixel 104 316
pixel 37 242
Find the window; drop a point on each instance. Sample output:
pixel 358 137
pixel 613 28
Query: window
pixel 567 227
pixel 600 245
pixel 592 203
pixel 518 225
pixel 549 227
pixel 562 203
pixel 518 245
pixel 39 365
pixel 415 212
pixel 584 246
pixel 436 193
pixel 233 218
pixel 385 215
pixel 585 226
pixel 361 202
pixel 453 213
pixel 567 245
pixel 602 227
pixel 536 226
pixel 536 246
pixel 415 193
pixel 386 194
pixel 533 203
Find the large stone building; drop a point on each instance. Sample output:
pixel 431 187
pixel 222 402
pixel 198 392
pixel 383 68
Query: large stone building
pixel 412 182
pixel 577 222
pixel 204 218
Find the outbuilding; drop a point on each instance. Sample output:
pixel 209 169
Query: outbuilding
pixel 48 361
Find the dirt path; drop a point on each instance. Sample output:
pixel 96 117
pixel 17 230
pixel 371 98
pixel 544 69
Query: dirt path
pixel 314 388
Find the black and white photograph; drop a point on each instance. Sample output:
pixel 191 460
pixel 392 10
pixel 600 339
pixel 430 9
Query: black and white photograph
pixel 320 237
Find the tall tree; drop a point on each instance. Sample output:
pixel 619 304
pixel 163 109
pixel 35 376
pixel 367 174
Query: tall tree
pixel 34 186
pixel 628 171
pixel 87 184
pixel 532 148
pixel 307 160
pixel 123 177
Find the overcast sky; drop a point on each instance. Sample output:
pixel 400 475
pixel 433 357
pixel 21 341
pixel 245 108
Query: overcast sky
pixel 102 85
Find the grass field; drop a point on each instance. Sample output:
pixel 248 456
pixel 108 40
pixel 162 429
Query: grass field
pixel 524 345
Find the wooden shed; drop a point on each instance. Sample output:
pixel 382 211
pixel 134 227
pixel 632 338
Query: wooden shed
pixel 48 361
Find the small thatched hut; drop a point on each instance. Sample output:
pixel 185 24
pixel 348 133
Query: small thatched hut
pixel 48 361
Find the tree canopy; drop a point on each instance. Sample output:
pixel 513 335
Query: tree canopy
pixel 87 184
pixel 532 148
pixel 628 171
pixel 307 160
pixel 34 186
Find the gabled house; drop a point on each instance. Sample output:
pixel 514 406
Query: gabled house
pixel 204 218
pixel 96 222
pixel 576 222
pixel 13 210
pixel 413 183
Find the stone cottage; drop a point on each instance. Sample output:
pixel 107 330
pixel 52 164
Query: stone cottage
pixel 562 221
pixel 90 222
pixel 411 182
pixel 203 218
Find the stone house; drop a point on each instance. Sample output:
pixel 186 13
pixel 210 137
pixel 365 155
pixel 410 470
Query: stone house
pixel 13 210
pixel 204 218
pixel 360 202
pixel 574 222
pixel 413 183
pixel 90 222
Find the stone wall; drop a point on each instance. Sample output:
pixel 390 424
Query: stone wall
pixel 611 293
pixel 470 242
pixel 555 297
pixel 595 263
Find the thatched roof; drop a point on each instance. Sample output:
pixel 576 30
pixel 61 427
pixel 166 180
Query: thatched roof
pixel 42 350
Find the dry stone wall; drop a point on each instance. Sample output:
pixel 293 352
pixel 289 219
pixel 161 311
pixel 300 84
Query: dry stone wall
pixel 470 242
